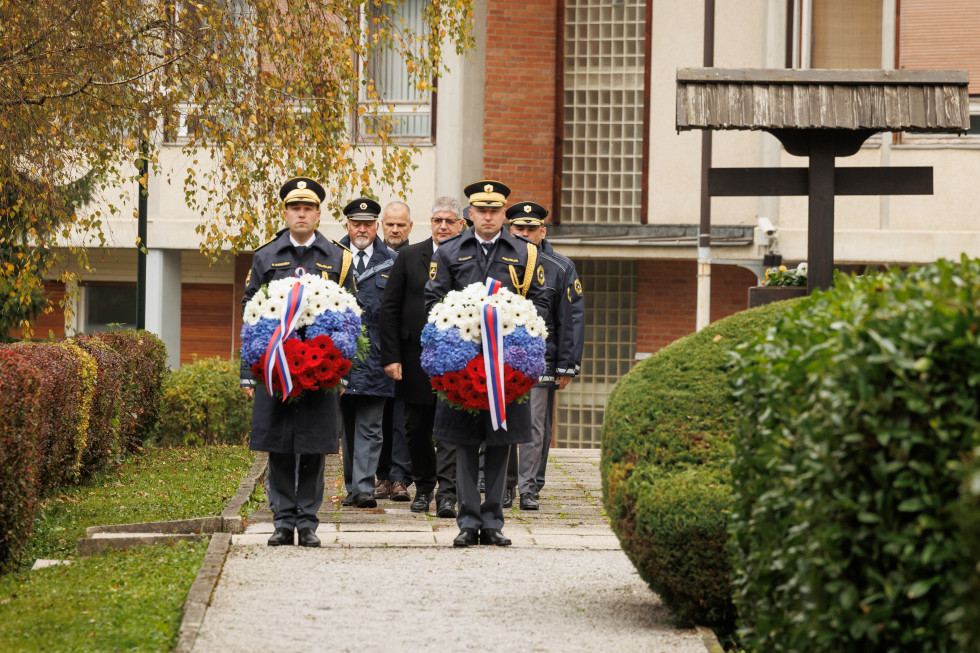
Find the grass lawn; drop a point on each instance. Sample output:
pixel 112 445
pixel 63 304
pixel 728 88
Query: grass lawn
pixel 116 601
pixel 158 485
pixel 119 600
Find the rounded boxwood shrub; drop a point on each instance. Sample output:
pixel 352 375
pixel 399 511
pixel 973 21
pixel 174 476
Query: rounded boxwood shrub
pixel 859 409
pixel 203 405
pixel 665 454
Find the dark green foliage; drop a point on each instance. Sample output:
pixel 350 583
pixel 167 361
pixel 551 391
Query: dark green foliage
pixel 19 407
pixel 145 363
pixel 203 405
pixel 967 515
pixel 102 445
pixel 859 408
pixel 665 453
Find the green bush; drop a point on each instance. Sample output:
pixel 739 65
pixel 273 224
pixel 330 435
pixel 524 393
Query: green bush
pixel 145 363
pixel 858 410
pixel 20 398
pixel 665 455
pixel 203 405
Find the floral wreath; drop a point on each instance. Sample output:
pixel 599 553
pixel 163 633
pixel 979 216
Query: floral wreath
pixel 310 324
pixel 452 346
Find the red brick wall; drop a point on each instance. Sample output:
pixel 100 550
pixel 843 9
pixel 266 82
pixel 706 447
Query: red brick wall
pixel 519 98
pixel 667 299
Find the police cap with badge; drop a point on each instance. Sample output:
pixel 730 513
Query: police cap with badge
pixel 530 214
pixel 302 189
pixel 362 208
pixel 487 193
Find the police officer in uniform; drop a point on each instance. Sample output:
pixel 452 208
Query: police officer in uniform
pixel 566 340
pixel 298 433
pixel 486 250
pixel 369 388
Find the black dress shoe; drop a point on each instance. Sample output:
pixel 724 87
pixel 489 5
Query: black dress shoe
pixel 307 537
pixel 493 537
pixel 447 509
pixel 365 500
pixel 528 501
pixel 282 537
pixel 508 498
pixel 466 537
pixel 421 502
pixel 348 500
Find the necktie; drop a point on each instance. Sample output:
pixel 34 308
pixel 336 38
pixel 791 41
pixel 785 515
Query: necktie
pixel 486 250
pixel 299 251
pixel 360 262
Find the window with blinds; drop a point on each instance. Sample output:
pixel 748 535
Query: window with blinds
pixel 846 34
pixel 610 347
pixel 409 110
pixel 602 162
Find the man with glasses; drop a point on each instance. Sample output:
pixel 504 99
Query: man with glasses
pixel 368 387
pixel 403 317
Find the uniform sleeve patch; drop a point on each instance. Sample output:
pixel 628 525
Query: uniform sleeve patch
pixel 248 277
pixel 433 266
pixel 541 274
pixel 578 286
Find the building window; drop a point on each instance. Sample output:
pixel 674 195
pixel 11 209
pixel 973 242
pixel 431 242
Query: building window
pixel 604 64
pixel 610 348
pixel 107 306
pixel 942 36
pixel 409 109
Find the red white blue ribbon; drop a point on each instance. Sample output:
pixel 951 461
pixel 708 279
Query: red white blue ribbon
pixel 275 354
pixel 493 359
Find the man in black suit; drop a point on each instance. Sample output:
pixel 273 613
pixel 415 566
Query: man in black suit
pixel 487 250
pixel 403 316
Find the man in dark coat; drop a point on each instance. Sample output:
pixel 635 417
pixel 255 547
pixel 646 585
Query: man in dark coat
pixel 566 340
pixel 363 403
pixel 486 250
pixel 297 433
pixel 403 316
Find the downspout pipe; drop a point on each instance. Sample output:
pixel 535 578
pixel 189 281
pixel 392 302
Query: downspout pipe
pixel 704 229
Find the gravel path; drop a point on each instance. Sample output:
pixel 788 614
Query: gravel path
pixel 390 579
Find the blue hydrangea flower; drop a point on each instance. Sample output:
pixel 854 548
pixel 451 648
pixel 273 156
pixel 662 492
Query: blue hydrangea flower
pixel 255 339
pixel 346 343
pixel 445 351
pixel 524 352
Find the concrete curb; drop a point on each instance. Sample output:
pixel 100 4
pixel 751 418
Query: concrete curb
pixel 711 643
pixel 177 526
pixel 119 541
pixel 199 596
pixel 231 519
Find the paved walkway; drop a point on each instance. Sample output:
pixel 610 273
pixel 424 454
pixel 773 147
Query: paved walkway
pixel 389 579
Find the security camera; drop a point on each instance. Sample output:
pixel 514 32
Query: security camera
pixel 766 226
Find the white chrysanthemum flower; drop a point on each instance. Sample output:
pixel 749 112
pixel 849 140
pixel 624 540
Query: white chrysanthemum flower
pixel 252 313
pixel 443 322
pixel 470 332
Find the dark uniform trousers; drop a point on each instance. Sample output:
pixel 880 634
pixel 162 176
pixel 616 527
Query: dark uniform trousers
pixel 299 433
pixel 459 262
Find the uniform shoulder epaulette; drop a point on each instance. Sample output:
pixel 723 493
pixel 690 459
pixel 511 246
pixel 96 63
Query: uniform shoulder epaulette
pixel 273 239
pixel 341 246
pixel 559 260
pixel 451 239
pixel 523 238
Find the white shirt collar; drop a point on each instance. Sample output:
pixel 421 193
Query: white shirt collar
pixel 368 253
pixel 492 241
pixel 296 243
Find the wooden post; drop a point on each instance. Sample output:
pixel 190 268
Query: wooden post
pixel 820 243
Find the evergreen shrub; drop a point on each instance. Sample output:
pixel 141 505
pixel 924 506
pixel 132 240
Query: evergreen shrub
pixel 666 449
pixel 20 397
pixel 102 443
pixel 859 409
pixel 203 404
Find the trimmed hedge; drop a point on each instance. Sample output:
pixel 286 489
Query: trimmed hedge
pixel 859 409
pixel 202 404
pixel 102 444
pixel 144 366
pixel 20 399
pixel 62 410
pixel 665 455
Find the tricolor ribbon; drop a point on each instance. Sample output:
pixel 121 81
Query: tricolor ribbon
pixel 493 359
pixel 275 354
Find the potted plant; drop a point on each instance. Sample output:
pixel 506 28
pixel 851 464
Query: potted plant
pixel 779 283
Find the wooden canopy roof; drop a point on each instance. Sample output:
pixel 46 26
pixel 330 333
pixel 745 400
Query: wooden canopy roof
pixel 879 100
